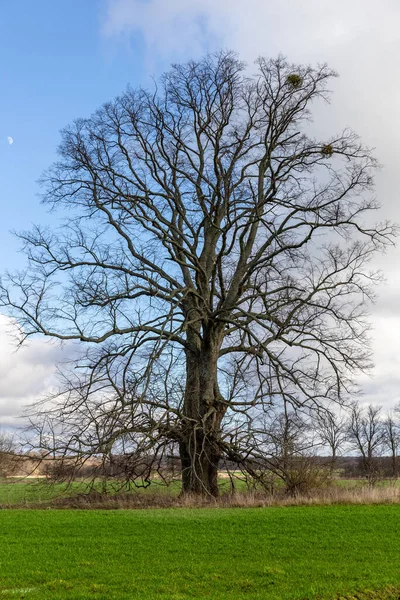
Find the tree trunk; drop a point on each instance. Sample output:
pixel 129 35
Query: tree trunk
pixel 333 462
pixel 199 469
pixel 394 463
pixel 203 413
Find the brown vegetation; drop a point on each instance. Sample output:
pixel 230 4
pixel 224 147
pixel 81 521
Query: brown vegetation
pixel 93 499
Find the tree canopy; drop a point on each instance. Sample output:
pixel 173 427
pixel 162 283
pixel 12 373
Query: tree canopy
pixel 212 261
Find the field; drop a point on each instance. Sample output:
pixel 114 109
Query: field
pixel 34 492
pixel 31 493
pixel 284 553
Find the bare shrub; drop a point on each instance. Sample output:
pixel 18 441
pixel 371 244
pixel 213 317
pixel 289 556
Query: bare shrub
pixel 7 454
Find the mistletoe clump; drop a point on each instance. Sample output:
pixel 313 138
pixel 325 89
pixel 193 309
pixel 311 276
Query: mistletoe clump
pixel 294 80
pixel 327 150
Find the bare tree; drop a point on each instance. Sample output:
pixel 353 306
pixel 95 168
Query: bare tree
pixel 391 427
pixel 366 433
pixel 331 429
pixel 212 260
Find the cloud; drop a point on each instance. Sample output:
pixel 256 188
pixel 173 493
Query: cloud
pixel 10 140
pixel 359 39
pixel 304 30
pixel 26 375
pixel 384 385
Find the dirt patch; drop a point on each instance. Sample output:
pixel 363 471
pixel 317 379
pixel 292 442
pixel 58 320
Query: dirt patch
pixel 387 593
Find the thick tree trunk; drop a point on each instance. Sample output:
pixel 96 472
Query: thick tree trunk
pixel 203 413
pixel 199 469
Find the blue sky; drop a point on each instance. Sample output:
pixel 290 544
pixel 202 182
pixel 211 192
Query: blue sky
pixel 61 59
pixel 54 66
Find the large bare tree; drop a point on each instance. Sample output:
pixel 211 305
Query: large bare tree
pixel 212 258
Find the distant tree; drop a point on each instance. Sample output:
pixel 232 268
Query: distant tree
pixel 391 428
pixel 366 434
pixel 7 450
pixel 332 432
pixel 212 260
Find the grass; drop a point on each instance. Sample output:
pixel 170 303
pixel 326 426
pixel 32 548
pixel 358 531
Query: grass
pixel 39 493
pixel 29 491
pixel 25 492
pixel 296 553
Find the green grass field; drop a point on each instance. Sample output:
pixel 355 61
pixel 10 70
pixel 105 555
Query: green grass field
pixel 274 553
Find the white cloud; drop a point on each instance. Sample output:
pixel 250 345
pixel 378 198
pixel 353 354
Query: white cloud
pixel 10 140
pixel 25 375
pixel 358 38
pixel 384 385
pixel 302 30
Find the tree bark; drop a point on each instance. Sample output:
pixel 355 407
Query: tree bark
pixel 203 412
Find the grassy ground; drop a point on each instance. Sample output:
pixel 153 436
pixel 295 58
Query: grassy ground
pixel 25 492
pixel 28 491
pixel 295 553
pixel 36 493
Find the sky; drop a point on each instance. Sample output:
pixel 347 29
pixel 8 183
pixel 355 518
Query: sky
pixel 61 60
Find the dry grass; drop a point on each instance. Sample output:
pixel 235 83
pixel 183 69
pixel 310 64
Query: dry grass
pixel 328 496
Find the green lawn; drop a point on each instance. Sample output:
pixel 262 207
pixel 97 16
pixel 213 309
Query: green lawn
pixel 274 553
